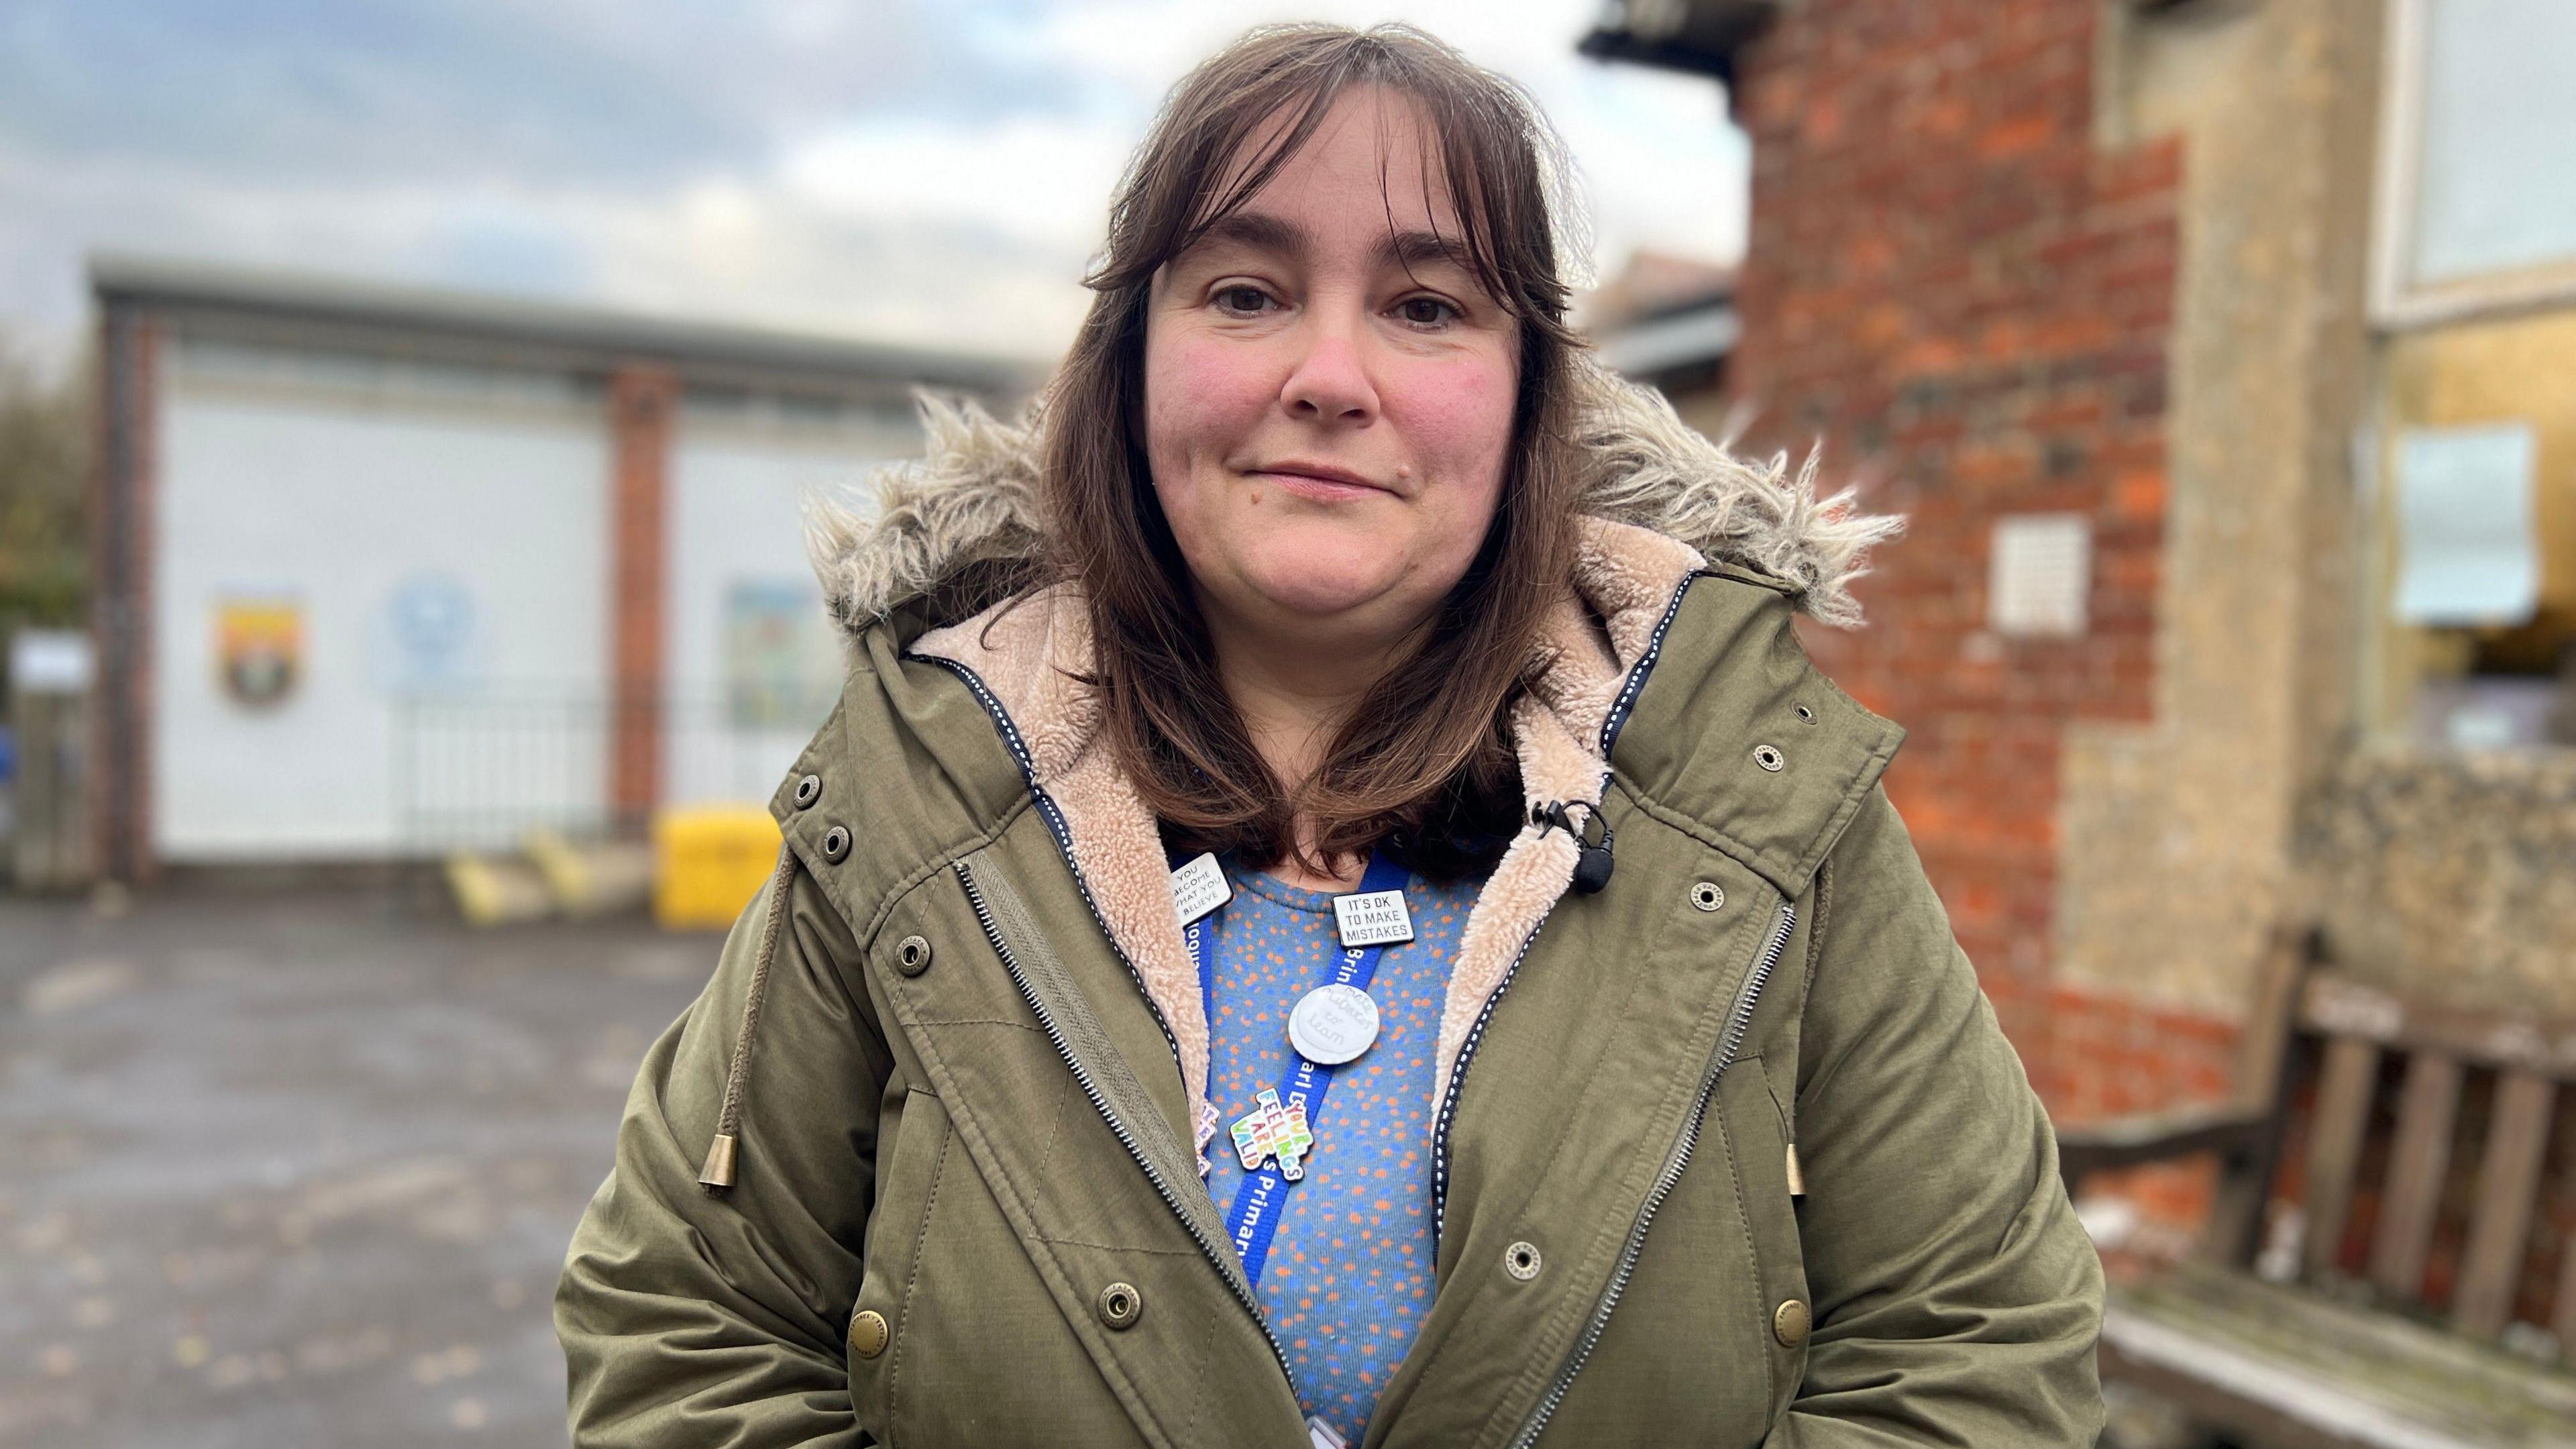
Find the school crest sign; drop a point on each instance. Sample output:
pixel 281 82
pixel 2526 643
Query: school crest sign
pixel 259 648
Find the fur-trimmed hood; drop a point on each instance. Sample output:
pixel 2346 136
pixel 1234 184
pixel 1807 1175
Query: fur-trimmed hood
pixel 972 498
pixel 1661 503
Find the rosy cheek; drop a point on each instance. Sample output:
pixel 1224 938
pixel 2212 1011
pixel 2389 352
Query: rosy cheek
pixel 1209 380
pixel 1459 418
pixel 1193 421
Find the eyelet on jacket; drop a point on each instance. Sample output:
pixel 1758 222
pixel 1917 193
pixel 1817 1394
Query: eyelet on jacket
pixel 1121 1305
pixel 1708 895
pixel 1521 1260
pixel 1769 757
pixel 808 790
pixel 1806 715
pixel 836 843
pixel 912 955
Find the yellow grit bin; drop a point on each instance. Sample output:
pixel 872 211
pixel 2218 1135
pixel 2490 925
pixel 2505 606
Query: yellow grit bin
pixel 708 862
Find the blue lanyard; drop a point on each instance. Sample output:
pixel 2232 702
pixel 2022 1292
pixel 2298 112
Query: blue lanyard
pixel 1254 1219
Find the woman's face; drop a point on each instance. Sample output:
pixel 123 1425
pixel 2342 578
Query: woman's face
pixel 1328 392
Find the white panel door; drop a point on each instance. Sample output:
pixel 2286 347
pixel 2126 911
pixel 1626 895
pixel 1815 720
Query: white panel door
pixel 754 664
pixel 454 549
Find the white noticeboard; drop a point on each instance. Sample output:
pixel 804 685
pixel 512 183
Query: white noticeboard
pixel 2038 573
pixel 2466 545
pixel 50 661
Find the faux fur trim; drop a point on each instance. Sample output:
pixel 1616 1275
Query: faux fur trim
pixel 972 498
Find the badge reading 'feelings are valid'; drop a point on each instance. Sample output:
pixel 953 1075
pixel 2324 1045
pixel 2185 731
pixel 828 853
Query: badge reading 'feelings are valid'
pixel 1272 1128
pixel 1377 918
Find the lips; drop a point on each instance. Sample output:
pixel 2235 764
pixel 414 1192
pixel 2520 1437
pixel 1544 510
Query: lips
pixel 1323 482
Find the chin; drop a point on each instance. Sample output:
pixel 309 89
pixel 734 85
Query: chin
pixel 1325 580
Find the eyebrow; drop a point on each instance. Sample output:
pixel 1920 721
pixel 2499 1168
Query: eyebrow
pixel 1407 249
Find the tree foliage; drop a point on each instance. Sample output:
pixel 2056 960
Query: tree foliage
pixel 44 460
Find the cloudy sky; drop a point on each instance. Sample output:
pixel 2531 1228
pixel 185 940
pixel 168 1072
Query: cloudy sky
pixel 893 168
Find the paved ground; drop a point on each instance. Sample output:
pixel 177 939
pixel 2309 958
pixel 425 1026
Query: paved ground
pixel 298 1170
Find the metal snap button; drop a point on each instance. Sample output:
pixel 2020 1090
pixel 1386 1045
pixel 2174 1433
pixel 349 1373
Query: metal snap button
pixel 808 790
pixel 1769 758
pixel 1708 895
pixel 1789 1322
pixel 912 955
pixel 836 843
pixel 868 1334
pixel 1121 1305
pixel 1521 1261
pixel 1806 715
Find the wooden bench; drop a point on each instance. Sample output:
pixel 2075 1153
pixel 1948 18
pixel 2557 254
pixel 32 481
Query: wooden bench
pixel 2269 1336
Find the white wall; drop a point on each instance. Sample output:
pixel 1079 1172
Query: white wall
pixel 735 488
pixel 346 498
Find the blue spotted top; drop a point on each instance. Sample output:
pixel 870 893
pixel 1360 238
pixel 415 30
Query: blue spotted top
pixel 1349 1276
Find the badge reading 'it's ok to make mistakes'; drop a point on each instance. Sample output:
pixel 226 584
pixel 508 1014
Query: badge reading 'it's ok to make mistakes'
pixel 1377 918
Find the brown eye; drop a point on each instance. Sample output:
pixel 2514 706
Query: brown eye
pixel 1425 311
pixel 1242 300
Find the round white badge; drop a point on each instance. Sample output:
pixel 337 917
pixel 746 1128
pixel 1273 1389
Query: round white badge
pixel 1333 1025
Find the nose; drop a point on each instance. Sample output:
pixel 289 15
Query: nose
pixel 1330 382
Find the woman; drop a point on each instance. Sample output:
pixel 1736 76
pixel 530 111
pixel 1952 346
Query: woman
pixel 1655 1105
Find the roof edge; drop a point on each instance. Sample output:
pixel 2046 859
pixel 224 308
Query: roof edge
pixel 604 333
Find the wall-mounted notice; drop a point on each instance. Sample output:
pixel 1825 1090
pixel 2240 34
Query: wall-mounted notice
pixel 429 635
pixel 2467 548
pixel 776 676
pixel 2038 574
pixel 259 646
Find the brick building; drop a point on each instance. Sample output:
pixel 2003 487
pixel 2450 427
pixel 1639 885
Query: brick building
pixel 2170 325
pixel 381 571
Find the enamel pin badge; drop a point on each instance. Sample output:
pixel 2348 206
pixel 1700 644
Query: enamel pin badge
pixel 1199 886
pixel 1377 918
pixel 1269 1129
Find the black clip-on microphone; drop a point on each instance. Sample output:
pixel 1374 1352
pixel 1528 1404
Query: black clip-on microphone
pixel 1592 862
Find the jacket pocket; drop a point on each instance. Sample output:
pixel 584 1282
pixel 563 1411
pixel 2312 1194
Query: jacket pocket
pixel 1692 1354
pixel 1758 1124
pixel 908 1172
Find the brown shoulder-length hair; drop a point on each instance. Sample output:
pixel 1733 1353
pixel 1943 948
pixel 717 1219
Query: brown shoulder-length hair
pixel 1425 757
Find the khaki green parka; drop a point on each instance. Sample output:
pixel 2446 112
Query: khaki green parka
pixel 1728 1153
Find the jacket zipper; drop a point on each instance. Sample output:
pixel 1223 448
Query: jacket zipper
pixel 1610 727
pixel 1612 723
pixel 1733 1042
pixel 1457 1077
pixel 1054 819
pixel 1100 1104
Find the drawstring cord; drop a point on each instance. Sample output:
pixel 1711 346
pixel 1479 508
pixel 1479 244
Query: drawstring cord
pixel 718 1174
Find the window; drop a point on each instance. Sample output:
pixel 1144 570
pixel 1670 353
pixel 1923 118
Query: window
pixel 2477 560
pixel 2479 139
pixel 2473 569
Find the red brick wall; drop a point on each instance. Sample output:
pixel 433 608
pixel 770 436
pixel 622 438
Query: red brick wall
pixel 640 400
pixel 124 509
pixel 1969 303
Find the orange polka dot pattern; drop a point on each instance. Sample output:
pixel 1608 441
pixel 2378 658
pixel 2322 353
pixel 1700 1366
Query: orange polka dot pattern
pixel 1349 1275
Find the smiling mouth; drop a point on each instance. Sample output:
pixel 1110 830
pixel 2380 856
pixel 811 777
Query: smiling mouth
pixel 1319 482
